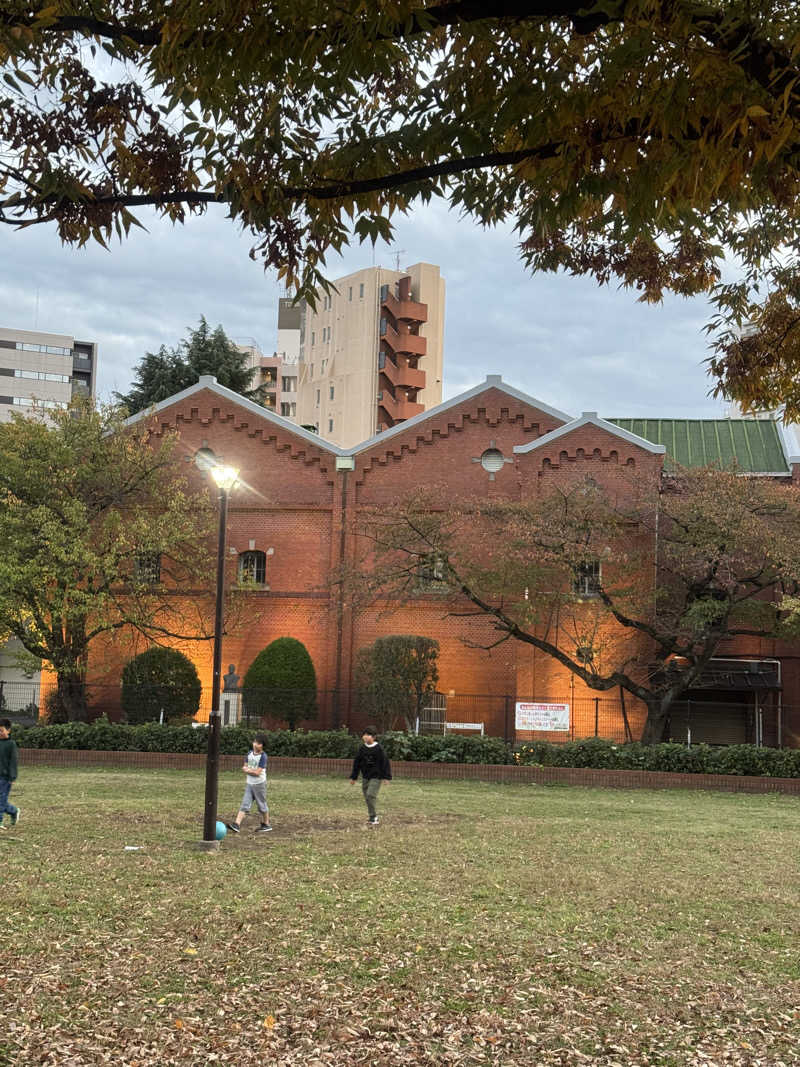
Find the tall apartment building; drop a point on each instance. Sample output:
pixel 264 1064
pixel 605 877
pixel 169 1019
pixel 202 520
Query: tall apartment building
pixel 278 372
pixel 371 354
pixel 47 368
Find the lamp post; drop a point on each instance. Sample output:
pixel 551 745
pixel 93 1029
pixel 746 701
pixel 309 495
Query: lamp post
pixel 224 478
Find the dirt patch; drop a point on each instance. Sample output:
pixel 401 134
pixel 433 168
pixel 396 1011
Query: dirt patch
pixel 305 825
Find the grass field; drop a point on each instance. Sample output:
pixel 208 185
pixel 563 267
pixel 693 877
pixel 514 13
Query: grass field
pixel 478 924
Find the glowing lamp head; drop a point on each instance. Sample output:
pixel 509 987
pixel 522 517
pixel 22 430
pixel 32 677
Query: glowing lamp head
pixel 225 477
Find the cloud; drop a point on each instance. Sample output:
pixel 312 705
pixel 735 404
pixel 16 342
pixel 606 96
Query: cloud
pixel 567 341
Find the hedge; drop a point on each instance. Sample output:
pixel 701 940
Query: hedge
pixel 699 759
pixel 452 748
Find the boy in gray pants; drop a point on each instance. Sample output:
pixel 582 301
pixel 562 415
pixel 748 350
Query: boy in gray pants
pixel 373 764
pixel 255 770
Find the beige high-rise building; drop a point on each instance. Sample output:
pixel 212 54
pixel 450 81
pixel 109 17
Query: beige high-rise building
pixel 278 372
pixel 371 354
pixel 47 369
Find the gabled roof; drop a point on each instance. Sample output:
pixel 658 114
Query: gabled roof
pixel 756 446
pixel 208 381
pixel 590 418
pixel 493 381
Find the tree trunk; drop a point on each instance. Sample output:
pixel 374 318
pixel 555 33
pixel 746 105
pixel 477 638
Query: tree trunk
pixel 657 718
pixel 71 698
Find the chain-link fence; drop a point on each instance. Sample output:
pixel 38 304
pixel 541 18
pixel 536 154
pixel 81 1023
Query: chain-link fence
pixel 714 719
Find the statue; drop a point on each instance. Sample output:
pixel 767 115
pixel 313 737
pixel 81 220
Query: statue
pixel 230 681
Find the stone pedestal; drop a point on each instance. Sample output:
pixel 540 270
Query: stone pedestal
pixel 230 708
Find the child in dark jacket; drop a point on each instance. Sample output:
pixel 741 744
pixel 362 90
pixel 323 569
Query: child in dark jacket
pixel 8 773
pixel 371 761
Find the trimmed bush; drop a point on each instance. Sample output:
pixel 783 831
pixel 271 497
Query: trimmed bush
pixel 451 748
pixel 281 684
pixel 699 759
pixel 161 679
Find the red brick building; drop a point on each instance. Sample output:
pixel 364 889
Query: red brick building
pixel 289 523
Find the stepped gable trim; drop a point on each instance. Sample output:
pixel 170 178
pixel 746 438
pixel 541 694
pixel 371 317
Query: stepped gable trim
pixel 209 382
pixel 270 436
pixel 493 381
pixel 428 433
pixel 590 418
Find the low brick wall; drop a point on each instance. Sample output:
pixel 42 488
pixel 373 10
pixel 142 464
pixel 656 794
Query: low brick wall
pixel 484 772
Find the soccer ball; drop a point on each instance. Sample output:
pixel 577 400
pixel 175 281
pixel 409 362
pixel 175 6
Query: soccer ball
pixel 222 829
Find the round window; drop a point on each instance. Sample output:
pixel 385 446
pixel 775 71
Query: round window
pixel 492 460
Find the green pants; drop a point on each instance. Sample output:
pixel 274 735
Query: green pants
pixel 370 787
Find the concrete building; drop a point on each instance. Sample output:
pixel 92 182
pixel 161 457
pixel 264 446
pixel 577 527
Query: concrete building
pixel 278 373
pixel 371 354
pixel 47 368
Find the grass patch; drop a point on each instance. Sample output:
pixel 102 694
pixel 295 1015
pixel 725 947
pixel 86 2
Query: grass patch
pixel 477 924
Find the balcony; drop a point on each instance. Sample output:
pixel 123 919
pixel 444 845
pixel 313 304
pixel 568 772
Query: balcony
pixel 399 410
pixel 402 376
pixel 399 341
pixel 409 310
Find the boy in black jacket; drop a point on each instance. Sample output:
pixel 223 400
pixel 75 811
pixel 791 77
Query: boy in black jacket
pixel 373 764
pixel 8 772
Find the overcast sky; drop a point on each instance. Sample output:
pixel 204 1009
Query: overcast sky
pixel 564 340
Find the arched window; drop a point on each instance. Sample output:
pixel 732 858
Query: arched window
pixel 253 568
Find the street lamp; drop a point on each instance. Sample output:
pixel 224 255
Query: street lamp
pixel 224 478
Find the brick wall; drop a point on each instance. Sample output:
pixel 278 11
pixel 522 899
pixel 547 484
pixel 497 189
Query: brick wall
pixel 295 502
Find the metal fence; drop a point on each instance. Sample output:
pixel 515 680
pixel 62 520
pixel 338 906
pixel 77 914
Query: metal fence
pixel 713 721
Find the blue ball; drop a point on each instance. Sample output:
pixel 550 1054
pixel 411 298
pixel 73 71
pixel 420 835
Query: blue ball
pixel 222 829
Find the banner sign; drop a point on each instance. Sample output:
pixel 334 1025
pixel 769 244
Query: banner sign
pixel 542 716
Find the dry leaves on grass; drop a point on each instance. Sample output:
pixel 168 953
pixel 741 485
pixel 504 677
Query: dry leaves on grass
pixel 491 1012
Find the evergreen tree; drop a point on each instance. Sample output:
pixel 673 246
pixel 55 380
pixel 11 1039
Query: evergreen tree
pixel 281 684
pixel 160 680
pixel 164 373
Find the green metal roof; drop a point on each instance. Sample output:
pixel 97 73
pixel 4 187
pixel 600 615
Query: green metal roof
pixel 754 445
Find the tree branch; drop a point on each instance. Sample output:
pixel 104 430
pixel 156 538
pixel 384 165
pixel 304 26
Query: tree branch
pixel 336 189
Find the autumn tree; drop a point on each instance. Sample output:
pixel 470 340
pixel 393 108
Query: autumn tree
pixel 97 528
pixel 635 591
pixel 162 374
pixel 395 676
pixel 636 142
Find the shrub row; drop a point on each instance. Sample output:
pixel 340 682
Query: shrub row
pixel 699 759
pixel 453 748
